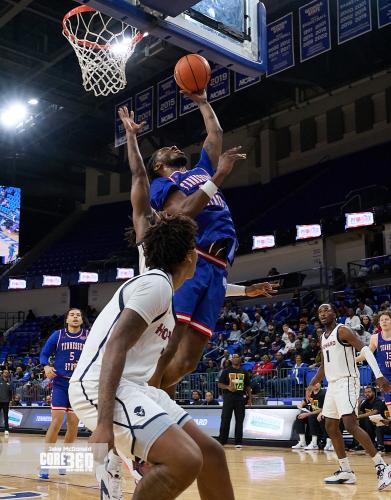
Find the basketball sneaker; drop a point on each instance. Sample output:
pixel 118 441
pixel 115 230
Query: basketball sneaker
pixel 312 446
pixel 383 476
pixel 109 483
pixel 341 477
pixel 299 446
pixel 43 473
pixel 6 434
pixel 329 447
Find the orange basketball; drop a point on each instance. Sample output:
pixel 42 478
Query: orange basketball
pixel 192 73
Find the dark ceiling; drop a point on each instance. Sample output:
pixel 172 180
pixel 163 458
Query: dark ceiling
pixel 75 129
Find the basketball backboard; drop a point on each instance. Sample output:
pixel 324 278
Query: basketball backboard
pixel 229 32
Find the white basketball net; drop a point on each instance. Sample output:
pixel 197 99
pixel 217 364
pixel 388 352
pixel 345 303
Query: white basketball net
pixel 102 45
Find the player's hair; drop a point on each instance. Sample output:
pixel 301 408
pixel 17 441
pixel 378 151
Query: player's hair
pixel 150 167
pixel 384 313
pixel 168 241
pixel 83 316
pixel 332 306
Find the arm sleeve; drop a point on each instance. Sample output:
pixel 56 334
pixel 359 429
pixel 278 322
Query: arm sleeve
pixel 49 348
pixel 150 297
pixel 205 163
pixel 160 190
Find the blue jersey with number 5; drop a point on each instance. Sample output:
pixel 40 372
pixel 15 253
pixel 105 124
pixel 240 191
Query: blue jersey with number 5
pixel 215 221
pixel 66 347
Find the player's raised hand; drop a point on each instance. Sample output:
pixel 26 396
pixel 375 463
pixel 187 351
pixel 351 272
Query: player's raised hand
pixel 127 119
pixel 228 159
pixel 50 372
pixel 197 97
pixel 383 384
pixel 262 290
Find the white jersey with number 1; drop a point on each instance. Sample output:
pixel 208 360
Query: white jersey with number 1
pixel 338 357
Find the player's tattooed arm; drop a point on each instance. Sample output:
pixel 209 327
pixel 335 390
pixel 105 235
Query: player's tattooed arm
pixel 177 202
pixel 214 140
pixel 139 194
pixel 126 333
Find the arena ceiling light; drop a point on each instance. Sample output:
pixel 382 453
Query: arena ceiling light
pixel 13 115
pixel 33 101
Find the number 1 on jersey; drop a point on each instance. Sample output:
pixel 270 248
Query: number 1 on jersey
pixel 328 356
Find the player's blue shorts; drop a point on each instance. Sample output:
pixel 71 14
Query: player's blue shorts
pixel 60 398
pixel 199 300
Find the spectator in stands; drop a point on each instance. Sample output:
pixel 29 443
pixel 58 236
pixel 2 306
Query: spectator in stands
pixel 259 326
pixel 363 309
pixel 210 351
pixel 247 353
pixel 273 272
pixel 375 323
pixel 18 375
pixel 212 367
pixel 226 357
pixel 16 401
pixel 48 400
pixel 371 405
pixel 286 330
pixel 365 336
pixel 290 345
pixel 5 398
pixel 30 316
pixel 310 415
pixel 210 399
pixel 222 343
pixel 353 321
pixel 304 341
pixel 303 327
pixel 264 346
pixel 311 352
pixel 227 315
pixel 295 381
pixel 271 330
pixel 299 351
pixel 277 345
pixel 243 318
pixel 234 382
pixel 262 371
pixel 196 398
pixel 234 335
pixel 273 386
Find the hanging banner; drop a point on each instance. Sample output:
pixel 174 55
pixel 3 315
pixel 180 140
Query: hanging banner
pixel 354 19
pixel 383 13
pixel 119 133
pixel 166 101
pixel 315 36
pixel 280 45
pixel 186 105
pixel 243 81
pixel 143 105
pixel 219 85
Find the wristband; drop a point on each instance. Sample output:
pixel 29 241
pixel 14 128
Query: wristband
pixel 209 188
pixel 235 290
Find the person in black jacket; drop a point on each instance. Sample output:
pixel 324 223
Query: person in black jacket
pixel 210 399
pixel 5 398
pixel 235 383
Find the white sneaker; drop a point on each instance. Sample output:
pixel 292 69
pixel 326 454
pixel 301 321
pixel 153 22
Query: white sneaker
pixel 329 447
pixel 6 434
pixel 341 477
pixel 299 446
pixel 383 476
pixel 238 446
pixel 109 484
pixel 312 446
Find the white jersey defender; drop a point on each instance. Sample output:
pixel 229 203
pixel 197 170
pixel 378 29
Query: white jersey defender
pixel 342 376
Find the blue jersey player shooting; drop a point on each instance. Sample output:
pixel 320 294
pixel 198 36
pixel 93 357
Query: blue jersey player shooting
pixel 66 345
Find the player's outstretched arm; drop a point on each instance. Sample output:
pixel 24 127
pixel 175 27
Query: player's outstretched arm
pixel 126 333
pixel 256 290
pixel 319 376
pixel 346 335
pixel 372 347
pixel 139 194
pixel 48 350
pixel 214 140
pixel 177 202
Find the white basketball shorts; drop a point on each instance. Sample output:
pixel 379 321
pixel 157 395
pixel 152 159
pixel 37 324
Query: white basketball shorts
pixel 341 398
pixel 141 414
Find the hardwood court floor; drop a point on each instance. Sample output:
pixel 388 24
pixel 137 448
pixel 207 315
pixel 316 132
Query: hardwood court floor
pixel 257 473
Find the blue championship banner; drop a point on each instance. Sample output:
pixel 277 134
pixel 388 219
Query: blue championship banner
pixel 120 134
pixel 354 19
pixel 244 81
pixel 166 101
pixel 280 45
pixel 383 13
pixel 315 37
pixel 186 105
pixel 143 105
pixel 219 85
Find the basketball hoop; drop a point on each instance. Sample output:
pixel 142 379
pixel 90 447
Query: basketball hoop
pixel 102 45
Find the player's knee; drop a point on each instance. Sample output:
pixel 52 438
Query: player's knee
pixel 213 451
pixel 351 427
pixel 331 427
pixel 188 464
